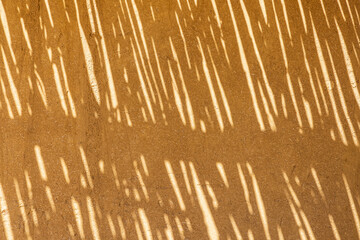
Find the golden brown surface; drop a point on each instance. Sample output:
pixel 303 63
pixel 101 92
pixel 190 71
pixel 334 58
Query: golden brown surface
pixel 179 119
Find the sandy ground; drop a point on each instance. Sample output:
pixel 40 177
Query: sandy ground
pixel 179 119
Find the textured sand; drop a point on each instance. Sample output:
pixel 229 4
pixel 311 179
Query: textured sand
pixel 179 119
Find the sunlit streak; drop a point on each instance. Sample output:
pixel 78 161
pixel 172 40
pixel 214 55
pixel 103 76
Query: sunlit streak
pixel 143 86
pixel 222 91
pixel 141 181
pixel 78 218
pixel 306 105
pixel 88 58
pixel 117 182
pixel 211 88
pixel 86 166
pixel 65 170
pixel 302 14
pixel 289 82
pixel 122 228
pixel 283 104
pixel 13 89
pixel 92 219
pixel 67 89
pixel 139 49
pixel 40 163
pixel 212 230
pixel 280 233
pixel 3 88
pixel 186 178
pixel 341 9
pixel 136 194
pixel 267 109
pixel 296 218
pixel 263 10
pixel 30 195
pixel 307 225
pixel 221 170
pixel 259 202
pixel 322 93
pixel 168 230
pixel 50 198
pixel 328 84
pixel 334 228
pixel 175 185
pixel 184 88
pixel 6 30
pixel 71 230
pixel 245 188
pixel 137 227
pixel 214 39
pixel 145 224
pixel 286 19
pixel 111 225
pixel 144 43
pixel 59 89
pixel 26 35
pixel 49 12
pixel 352 20
pixel 22 209
pixel 250 235
pixel 310 78
pixel 109 75
pixel 159 70
pixel 258 57
pixel 184 40
pixel 349 66
pixel 352 205
pixel 246 69
pixel 235 228
pixel 217 16
pixel 5 215
pixel 91 16
pixel 41 88
pixel 180 227
pixel 212 195
pixel 293 98
pixel 177 95
pixel 342 100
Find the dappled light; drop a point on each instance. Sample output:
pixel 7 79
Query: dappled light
pixel 179 119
